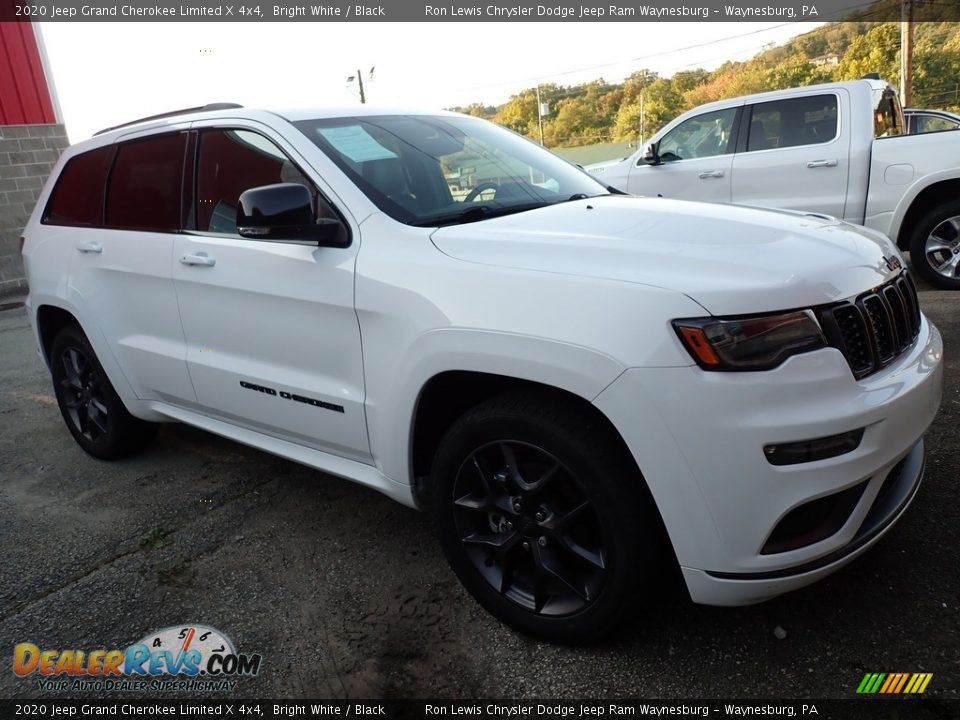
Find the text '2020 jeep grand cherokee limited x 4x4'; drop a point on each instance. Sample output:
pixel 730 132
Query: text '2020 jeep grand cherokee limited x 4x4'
pixel 579 384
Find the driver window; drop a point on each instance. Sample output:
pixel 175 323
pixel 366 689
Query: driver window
pixel 230 162
pixel 702 136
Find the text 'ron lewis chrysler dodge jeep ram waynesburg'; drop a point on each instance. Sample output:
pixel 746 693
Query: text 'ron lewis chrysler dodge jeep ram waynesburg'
pixel 584 387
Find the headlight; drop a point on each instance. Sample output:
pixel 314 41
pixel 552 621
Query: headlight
pixel 749 343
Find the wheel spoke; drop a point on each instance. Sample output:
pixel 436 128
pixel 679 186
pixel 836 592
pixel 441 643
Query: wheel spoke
pixel 73 378
pixel 594 557
pixel 472 502
pixel 497 541
pixel 954 222
pixel 939 245
pixel 73 403
pixel 949 268
pixel 77 362
pixel 96 417
pixel 69 386
pixel 510 459
pixel 565 519
pixel 547 563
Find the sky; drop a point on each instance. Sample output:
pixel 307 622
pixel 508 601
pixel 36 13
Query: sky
pixel 109 73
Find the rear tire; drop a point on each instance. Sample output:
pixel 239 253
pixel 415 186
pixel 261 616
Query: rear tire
pixel 94 413
pixel 545 519
pixel 935 246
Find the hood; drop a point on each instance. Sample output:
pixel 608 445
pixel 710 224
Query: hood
pixel 729 259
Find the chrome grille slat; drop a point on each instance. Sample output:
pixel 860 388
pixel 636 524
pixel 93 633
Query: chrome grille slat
pixel 875 328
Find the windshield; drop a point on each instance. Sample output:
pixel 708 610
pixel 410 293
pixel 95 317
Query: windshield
pixel 440 170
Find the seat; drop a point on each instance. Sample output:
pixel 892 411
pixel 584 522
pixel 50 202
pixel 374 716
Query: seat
pixel 758 136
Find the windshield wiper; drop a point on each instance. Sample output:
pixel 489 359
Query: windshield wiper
pixel 475 213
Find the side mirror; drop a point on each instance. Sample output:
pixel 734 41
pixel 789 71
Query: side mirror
pixel 284 212
pixel 650 156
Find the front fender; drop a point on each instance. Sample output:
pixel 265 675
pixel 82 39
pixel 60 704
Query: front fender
pixel 392 395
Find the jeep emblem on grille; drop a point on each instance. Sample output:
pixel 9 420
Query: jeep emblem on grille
pixel 893 262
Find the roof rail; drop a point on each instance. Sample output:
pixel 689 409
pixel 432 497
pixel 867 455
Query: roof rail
pixel 173 113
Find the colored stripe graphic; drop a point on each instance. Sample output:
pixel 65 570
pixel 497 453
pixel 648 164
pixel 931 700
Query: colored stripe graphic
pixel 894 683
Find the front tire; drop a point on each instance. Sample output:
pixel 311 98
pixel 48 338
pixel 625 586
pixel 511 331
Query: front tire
pixel 544 517
pixel 94 413
pixel 935 246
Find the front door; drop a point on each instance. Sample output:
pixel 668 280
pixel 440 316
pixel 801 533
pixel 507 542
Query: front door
pixel 273 341
pixel 695 160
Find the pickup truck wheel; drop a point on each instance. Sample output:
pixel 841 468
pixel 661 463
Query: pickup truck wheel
pixel 91 408
pixel 544 519
pixel 935 246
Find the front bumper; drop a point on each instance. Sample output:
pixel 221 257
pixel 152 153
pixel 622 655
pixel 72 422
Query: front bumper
pixel 698 438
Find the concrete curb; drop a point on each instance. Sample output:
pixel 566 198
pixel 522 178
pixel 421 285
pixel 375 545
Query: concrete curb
pixel 11 303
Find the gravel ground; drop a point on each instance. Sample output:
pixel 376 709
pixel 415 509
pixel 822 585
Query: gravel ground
pixel 346 594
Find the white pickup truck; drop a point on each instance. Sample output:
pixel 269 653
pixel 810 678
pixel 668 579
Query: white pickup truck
pixel 835 149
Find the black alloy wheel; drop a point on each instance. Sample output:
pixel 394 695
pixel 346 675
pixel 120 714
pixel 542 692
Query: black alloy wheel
pixel 529 528
pixel 545 518
pixel 81 394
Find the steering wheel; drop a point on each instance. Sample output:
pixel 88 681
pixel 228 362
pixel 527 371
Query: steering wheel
pixel 475 193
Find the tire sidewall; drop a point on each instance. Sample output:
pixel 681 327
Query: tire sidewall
pixel 918 240
pixel 111 444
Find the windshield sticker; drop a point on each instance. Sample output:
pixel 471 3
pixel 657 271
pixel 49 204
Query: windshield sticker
pixel 355 143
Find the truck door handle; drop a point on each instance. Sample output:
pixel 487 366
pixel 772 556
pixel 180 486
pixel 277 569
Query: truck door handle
pixel 821 163
pixel 711 174
pixel 201 259
pixel 90 247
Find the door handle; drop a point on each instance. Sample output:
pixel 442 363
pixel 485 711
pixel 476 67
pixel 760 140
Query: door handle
pixel 821 163
pixel 201 259
pixel 711 174
pixel 90 246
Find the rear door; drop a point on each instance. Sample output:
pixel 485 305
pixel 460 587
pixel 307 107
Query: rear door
pixel 695 160
pixel 273 340
pixel 120 269
pixel 794 154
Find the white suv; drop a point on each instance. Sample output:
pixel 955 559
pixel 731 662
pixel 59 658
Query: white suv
pixel 586 388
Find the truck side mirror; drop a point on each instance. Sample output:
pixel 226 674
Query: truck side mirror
pixel 650 156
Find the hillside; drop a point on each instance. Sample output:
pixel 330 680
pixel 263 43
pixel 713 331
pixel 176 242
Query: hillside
pixel 601 112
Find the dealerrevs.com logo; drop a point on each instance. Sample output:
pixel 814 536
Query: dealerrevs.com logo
pixel 181 657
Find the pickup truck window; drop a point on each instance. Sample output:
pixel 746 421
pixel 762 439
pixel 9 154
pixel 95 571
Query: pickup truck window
pixel 888 115
pixel 703 136
pixel 792 122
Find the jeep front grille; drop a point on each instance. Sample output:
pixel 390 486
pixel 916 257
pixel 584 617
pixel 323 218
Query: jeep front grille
pixel 874 329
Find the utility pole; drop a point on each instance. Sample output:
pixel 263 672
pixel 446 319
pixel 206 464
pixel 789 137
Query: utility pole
pixel 906 52
pixel 359 78
pixel 363 98
pixel 540 115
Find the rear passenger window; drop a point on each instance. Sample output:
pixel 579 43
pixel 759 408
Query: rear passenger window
pixel 230 162
pixel 77 198
pixel 797 121
pixel 144 192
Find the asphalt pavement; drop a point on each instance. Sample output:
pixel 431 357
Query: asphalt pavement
pixel 345 594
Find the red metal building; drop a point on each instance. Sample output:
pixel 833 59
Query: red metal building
pixel 25 95
pixel 32 137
